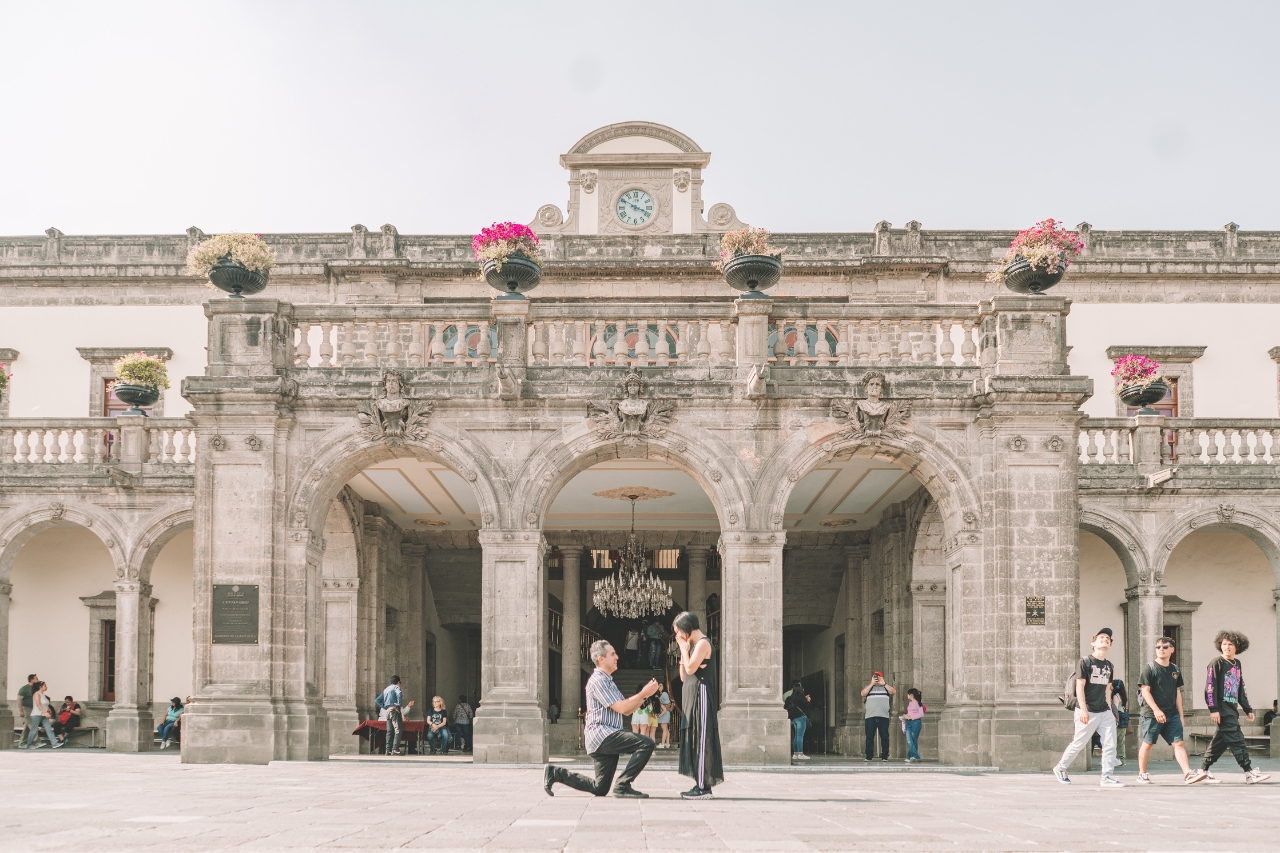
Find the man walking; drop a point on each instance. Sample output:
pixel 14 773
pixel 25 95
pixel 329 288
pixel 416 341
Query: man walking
pixel 462 715
pixel 1093 712
pixel 878 698
pixel 389 705
pixel 1160 687
pixel 1224 694
pixel 604 735
pixel 24 696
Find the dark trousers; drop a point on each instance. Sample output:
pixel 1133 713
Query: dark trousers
pixel 874 725
pixel 395 729
pixel 1227 737
pixel 637 746
pixel 164 730
pixel 65 729
pixel 462 733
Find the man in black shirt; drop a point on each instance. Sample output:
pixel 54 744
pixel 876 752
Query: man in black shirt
pixel 1159 686
pixel 1093 712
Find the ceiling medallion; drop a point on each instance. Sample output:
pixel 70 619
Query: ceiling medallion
pixel 632 592
pixel 838 522
pixel 431 522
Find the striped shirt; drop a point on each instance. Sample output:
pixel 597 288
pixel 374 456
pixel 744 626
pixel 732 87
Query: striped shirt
pixel 602 720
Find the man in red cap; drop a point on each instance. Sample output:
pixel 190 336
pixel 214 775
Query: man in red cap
pixel 877 699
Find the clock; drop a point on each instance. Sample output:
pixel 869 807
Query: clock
pixel 634 208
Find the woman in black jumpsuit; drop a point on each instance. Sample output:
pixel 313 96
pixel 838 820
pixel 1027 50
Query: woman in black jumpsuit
pixel 699 732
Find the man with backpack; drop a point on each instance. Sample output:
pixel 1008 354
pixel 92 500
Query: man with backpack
pixel 389 704
pixel 1159 686
pixel 1091 702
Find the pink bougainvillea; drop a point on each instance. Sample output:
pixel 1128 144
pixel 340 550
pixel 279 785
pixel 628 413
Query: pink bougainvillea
pixel 1046 246
pixel 1135 370
pixel 500 239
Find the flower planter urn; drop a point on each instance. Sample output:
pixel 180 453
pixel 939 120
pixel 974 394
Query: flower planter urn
pixel 752 274
pixel 1144 395
pixel 136 396
pixel 1021 277
pixel 236 279
pixel 519 275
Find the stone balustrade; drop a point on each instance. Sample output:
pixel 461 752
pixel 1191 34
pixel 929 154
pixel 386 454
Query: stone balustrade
pixel 1181 441
pixel 848 335
pixel 393 336
pixel 94 441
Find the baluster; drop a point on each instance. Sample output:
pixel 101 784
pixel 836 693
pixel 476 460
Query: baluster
pixel 726 341
pixel 904 341
pixel 417 351
pixel 75 440
pixel 97 446
pixel 1183 446
pixel 946 346
pixel 438 349
pixel 1108 447
pixel 302 351
pixel 51 445
pixel 704 342
pixel 153 444
pixel 661 349
pixel 326 345
pixel 599 346
pixel 864 342
pixel 555 349
pixel 61 439
pixel 884 350
pixel 348 348
pixel 6 446
pixel 658 338
pixel 1082 447
pixel 682 342
pixel 841 332
pixel 779 340
pixel 1211 445
pixel 169 446
pixel 484 349
pixel 621 346
pixel 822 349
pixel 968 349
pixel 371 344
pixel 186 446
pixel 24 447
pixel 1233 453
pixel 393 344
pixel 1273 452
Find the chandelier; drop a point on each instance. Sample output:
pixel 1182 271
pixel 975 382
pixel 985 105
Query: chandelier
pixel 632 592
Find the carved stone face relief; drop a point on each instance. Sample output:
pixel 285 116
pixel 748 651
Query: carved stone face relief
pixel 631 417
pixel 391 417
pixel 871 418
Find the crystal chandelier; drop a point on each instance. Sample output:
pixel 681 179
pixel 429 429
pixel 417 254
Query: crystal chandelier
pixel 632 592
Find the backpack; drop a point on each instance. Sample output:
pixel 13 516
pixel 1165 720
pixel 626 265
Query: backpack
pixel 1068 697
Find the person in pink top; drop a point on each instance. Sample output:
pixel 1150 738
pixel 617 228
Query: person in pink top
pixel 912 722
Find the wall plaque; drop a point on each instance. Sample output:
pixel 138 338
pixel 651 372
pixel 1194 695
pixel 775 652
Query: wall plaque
pixel 235 614
pixel 1035 609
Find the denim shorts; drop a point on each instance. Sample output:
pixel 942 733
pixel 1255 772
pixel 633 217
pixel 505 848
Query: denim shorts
pixel 1171 729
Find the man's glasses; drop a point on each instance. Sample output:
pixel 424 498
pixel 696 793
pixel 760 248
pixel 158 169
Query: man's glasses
pixel 1162 648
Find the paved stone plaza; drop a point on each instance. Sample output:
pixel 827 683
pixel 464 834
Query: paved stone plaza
pixel 94 801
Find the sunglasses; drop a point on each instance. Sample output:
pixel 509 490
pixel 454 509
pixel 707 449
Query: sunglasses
pixel 1163 647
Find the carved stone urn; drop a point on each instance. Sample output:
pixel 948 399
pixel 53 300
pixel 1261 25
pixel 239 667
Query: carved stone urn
pixel 1144 395
pixel 1021 277
pixel 519 275
pixel 136 396
pixel 752 274
pixel 236 279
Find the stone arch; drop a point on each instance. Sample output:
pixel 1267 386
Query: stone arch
pixel 147 545
pixel 344 455
pixel 942 476
pixel 1254 526
pixel 715 469
pixel 623 129
pixel 26 522
pixel 1121 536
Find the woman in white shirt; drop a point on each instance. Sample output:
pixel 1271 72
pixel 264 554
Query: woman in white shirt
pixel 41 714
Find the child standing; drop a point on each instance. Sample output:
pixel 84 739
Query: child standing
pixel 1225 695
pixel 913 722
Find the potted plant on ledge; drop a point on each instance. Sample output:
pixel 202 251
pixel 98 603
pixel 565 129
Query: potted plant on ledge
pixel 139 380
pixel 1138 382
pixel 236 263
pixel 510 258
pixel 1037 258
pixel 748 262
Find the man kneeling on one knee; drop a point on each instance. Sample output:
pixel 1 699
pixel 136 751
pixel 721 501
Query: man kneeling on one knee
pixel 604 735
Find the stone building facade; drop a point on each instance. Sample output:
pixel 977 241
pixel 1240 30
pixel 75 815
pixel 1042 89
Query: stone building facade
pixel 889 464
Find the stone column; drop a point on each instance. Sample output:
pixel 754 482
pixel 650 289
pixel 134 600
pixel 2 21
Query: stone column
pixel 753 724
pixel 696 588
pixel 338 602
pixel 571 643
pixel 1144 624
pixel 511 724
pixel 6 711
pixel 129 725
pixel 854 643
pixel 753 331
pixel 1261 709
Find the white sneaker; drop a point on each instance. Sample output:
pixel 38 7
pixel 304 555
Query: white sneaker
pixel 164 744
pixel 1211 779
pixel 1111 782
pixel 1255 776
pixel 1143 779
pixel 39 745
pixel 58 745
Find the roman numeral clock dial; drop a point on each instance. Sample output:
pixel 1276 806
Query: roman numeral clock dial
pixel 635 208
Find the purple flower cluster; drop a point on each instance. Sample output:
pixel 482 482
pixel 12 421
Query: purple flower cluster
pixel 1135 370
pixel 510 232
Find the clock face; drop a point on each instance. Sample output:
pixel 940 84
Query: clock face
pixel 635 207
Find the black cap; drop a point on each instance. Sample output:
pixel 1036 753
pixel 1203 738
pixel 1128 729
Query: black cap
pixel 1106 631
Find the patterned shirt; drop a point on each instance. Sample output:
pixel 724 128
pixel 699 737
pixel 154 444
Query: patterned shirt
pixel 602 720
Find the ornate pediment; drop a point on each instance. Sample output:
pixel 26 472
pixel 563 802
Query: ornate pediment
pixel 631 417
pixel 872 416
pixel 391 417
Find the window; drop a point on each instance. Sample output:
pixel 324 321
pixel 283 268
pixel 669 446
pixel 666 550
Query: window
pixel 108 660
pixel 1176 366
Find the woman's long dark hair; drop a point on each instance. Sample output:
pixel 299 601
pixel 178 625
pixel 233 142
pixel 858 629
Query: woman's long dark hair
pixel 686 622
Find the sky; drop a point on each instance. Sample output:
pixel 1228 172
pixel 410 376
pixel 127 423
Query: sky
pixel 124 118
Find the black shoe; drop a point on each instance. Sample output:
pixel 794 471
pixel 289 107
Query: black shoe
pixel 549 779
pixel 628 792
pixel 697 794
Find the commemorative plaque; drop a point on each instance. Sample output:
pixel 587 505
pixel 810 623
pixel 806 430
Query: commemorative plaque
pixel 1035 609
pixel 235 614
